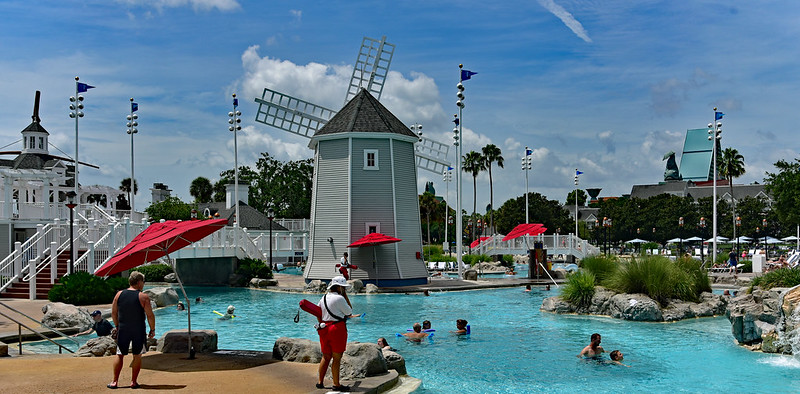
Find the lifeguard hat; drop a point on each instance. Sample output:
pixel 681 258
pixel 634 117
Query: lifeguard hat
pixel 338 281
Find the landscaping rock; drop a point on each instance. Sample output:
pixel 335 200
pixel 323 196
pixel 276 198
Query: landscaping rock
pixel 470 274
pixel 61 315
pixel 163 296
pixel 361 360
pixel 236 280
pixel 677 310
pixel 4 351
pixel 262 283
pixel 297 350
pixel 372 289
pixel 601 301
pixel 315 286
pixel 395 361
pixel 559 273
pixel 176 341
pixel 98 347
pixel 170 278
pixel 488 266
pixel 556 305
pixel 636 307
pixel 356 285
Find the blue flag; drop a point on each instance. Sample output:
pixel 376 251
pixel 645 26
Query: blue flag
pixel 578 172
pixel 235 102
pixel 466 74
pixel 528 152
pixel 718 115
pixel 82 87
pixel 456 121
pixel 134 107
pixel 449 168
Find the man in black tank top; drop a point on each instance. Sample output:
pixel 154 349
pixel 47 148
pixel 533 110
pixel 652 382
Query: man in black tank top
pixel 128 311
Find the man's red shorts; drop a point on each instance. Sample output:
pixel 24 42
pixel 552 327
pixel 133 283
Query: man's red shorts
pixel 333 338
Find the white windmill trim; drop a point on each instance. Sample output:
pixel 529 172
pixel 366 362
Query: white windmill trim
pixel 358 134
pixel 394 212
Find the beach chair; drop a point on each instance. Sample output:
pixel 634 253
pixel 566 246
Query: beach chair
pixel 431 265
pixel 441 265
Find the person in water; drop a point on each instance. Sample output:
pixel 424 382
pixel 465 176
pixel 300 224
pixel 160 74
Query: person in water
pixel 417 334
pixel 617 357
pixel 384 345
pixel 594 349
pixel 180 306
pixel 229 313
pixel 461 327
pixel 426 325
pixel 527 288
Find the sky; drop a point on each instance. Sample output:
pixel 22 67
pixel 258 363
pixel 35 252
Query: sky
pixel 607 87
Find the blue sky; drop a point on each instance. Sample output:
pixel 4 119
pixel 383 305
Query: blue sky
pixel 604 86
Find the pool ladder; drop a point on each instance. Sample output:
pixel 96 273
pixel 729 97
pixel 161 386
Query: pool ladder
pixel 20 325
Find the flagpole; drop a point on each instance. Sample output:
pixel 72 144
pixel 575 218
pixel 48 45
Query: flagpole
pixel 132 123
pixel 459 224
pixel 78 196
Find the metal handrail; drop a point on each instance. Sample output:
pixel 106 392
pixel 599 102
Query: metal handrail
pixel 20 324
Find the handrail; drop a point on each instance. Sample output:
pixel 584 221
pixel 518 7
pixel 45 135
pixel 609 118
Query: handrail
pixel 28 252
pixel 40 266
pixel 61 334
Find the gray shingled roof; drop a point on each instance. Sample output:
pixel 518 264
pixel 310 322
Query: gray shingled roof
pixel 35 126
pixel 364 114
pixel 251 218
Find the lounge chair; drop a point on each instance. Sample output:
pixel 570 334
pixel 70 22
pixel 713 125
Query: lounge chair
pixel 441 265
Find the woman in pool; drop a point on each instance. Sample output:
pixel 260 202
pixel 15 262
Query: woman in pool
pixel 461 327
pixel 383 344
pixel 594 349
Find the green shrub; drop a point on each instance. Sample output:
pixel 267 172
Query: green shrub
pixel 470 259
pixel 661 279
pixel 83 288
pixel 253 268
pixel 432 250
pixel 508 260
pixel 579 289
pixel 602 267
pixel 154 272
pixel 117 283
pixel 783 277
pixel 441 257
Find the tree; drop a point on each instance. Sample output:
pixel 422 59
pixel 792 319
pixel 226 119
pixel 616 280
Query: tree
pixel 201 189
pixel 473 163
pixel 170 209
pixel 550 213
pixel 784 187
pixel 491 154
pixel 581 198
pixel 125 187
pixel 99 199
pixel 429 206
pixel 731 166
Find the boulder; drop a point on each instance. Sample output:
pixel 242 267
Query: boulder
pixel 372 289
pixel 601 301
pixel 170 278
pixel 636 307
pixel 488 266
pixel 559 273
pixel 556 305
pixel 791 306
pixel 315 286
pixel 710 305
pixel 236 280
pixel 677 310
pixel 361 360
pixel 356 285
pixel 61 315
pixel 98 347
pixel 395 361
pixel 470 274
pixel 296 349
pixel 262 283
pixel 163 296
pixel 176 341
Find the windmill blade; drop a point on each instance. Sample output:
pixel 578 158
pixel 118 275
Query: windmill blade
pixel 432 155
pixel 291 114
pixel 372 67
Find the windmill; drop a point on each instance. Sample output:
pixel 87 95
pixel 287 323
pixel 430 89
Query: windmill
pixel 304 118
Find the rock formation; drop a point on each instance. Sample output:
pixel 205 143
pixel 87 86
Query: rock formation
pixel 360 360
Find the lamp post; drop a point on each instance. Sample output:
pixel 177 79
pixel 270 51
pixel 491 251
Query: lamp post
pixel 447 177
pixel 416 128
pixel 680 234
pixel 766 249
pixel 450 220
pixel 131 124
pixel 71 205
pixel 75 106
pixel 605 231
pixel 526 166
pixel 235 120
pixel 715 135
pixel 738 224
pixel 457 132
pixel 271 217
pixel 639 231
pixel 576 201
pixel 702 247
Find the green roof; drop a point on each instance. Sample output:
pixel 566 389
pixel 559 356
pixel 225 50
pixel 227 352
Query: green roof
pixel 696 156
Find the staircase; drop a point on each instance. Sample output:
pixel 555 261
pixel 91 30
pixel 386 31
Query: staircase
pixel 21 289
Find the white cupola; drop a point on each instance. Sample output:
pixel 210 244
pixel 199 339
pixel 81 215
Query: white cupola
pixel 34 137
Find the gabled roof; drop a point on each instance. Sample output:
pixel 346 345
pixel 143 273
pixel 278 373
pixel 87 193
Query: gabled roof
pixel 251 218
pixel 36 127
pixel 364 114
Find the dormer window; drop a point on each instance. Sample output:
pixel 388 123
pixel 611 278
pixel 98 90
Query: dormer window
pixel 32 144
pixel 41 143
pixel 371 159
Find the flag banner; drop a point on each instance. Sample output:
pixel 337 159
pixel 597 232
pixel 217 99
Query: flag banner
pixel 82 87
pixel 466 74
pixel 449 168
pixel 235 102
pixel 134 107
pixel 528 152
pixel 718 115
pixel 578 172
pixel 456 121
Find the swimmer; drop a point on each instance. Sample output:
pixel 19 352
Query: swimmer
pixel 594 349
pixel 417 334
pixel 617 357
pixel 425 293
pixel 198 300
pixel 726 293
pixel 180 306
pixel 229 313
pixel 547 288
pixel 383 344
pixel 527 288
pixel 461 327
pixel 426 325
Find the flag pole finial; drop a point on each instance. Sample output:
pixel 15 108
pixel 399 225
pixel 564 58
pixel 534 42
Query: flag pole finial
pixel 460 66
pixel 76 78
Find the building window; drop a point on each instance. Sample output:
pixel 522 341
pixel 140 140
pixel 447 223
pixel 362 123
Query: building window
pixel 373 227
pixel 370 159
pixel 41 142
pixel 32 144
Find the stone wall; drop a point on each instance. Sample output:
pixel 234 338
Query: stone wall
pixel 766 320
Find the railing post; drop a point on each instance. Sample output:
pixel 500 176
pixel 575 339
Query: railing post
pixel 112 238
pixel 40 245
pixel 17 258
pixel 53 261
pixel 32 281
pixel 90 259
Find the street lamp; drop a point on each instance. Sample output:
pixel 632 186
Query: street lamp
pixel 447 177
pixel 738 224
pixel 416 128
pixel 715 135
pixel 450 220
pixel 680 234
pixel 526 166
pixel 131 124
pixel 71 205
pixel 576 201
pixel 458 131
pixel 702 247
pixel 764 225
pixel 235 120
pixel 75 106
pixel 271 217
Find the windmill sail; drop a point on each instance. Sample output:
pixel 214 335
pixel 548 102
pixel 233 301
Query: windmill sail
pixel 371 69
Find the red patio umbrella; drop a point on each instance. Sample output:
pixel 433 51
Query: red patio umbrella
pixel 525 229
pixel 158 240
pixel 374 239
pixel 478 241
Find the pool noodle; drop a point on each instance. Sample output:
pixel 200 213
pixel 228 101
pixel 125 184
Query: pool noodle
pixel 232 316
pixel 425 330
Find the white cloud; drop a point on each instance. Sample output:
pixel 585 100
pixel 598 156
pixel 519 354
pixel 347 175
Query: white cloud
pixel 296 14
pixel 567 18
pixel 197 5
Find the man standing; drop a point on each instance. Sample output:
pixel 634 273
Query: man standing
pixel 128 312
pixel 345 266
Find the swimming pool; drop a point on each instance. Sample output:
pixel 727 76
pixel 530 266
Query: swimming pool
pixel 513 347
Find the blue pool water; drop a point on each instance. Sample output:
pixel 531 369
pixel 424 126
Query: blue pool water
pixel 513 347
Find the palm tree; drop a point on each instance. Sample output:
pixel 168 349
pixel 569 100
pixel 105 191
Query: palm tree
pixel 730 166
pixel 201 189
pixel 473 163
pixel 491 154
pixel 429 205
pixel 125 187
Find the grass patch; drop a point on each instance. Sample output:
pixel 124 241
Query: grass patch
pixel 602 267
pixel 661 279
pixel 783 277
pixel 579 289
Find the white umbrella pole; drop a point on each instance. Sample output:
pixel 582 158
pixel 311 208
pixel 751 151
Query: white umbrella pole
pixel 188 305
pixel 375 261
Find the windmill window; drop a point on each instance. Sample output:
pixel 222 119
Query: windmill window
pixel 371 159
pixel 373 227
pixel 32 144
pixel 41 142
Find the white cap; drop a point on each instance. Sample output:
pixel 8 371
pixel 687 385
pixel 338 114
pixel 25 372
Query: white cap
pixel 231 308
pixel 338 280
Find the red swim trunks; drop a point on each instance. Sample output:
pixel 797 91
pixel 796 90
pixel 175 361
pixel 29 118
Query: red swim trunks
pixel 333 338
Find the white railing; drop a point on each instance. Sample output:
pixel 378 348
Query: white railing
pixel 555 244
pixel 295 225
pixel 34 248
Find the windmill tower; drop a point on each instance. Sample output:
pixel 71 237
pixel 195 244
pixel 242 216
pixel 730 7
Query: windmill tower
pixel 365 175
